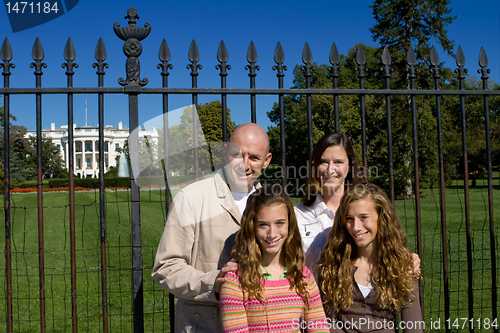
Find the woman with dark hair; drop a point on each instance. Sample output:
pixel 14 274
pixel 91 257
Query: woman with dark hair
pixel 333 167
pixel 364 272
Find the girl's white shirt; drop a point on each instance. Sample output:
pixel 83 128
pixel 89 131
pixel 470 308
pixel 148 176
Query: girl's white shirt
pixel 365 290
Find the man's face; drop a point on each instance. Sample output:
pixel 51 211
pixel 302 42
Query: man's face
pixel 246 156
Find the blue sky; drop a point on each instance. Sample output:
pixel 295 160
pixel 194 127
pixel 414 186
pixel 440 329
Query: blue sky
pixel 292 23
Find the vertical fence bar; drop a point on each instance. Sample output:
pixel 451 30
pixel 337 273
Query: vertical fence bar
pixel 334 73
pixel 483 62
pixel 194 57
pixel 132 35
pixel 100 56
pixel 137 278
pixel 70 55
pixel 102 185
pixel 386 60
pixel 38 55
pixel 279 59
pixel 361 60
pixel 6 55
pixel 435 68
pixel 307 60
pixel 411 60
pixel 223 57
pixel 252 59
pixel 164 56
pixel 460 61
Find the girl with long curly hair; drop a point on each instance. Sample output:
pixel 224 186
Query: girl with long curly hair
pixel 272 291
pixel 364 272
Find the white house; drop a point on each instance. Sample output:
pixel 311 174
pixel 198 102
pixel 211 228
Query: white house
pixel 86 145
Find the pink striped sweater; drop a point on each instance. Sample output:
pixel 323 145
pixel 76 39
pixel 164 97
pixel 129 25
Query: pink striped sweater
pixel 241 313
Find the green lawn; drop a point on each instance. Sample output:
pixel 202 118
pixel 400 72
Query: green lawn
pixel 57 262
pixel 118 256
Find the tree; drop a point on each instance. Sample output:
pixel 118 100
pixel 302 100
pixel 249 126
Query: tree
pixel 322 108
pixel 20 171
pixel 350 122
pixel 52 162
pixel 405 24
pixel 21 168
pixel 475 131
pixel 210 132
pixel 412 25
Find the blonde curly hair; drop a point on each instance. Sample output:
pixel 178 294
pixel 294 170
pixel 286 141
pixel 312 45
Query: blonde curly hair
pixel 391 272
pixel 248 253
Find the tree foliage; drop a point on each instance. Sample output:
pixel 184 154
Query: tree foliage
pixel 401 25
pixel 52 162
pixel 21 168
pixel 23 154
pixel 210 140
pixel 405 24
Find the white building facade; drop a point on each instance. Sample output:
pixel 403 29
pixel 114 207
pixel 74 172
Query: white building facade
pixel 86 145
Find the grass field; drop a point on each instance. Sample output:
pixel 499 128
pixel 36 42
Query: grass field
pixel 25 276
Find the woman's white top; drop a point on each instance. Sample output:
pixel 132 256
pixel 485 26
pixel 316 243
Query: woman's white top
pixel 314 224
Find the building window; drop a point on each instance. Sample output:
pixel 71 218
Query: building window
pixel 117 145
pixel 78 163
pixel 88 146
pixel 78 147
pixel 88 163
pixel 58 146
pixel 106 147
pixel 105 162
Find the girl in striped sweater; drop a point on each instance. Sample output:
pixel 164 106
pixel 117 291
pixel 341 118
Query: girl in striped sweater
pixel 272 291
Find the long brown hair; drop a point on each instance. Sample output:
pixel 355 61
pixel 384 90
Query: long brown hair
pixel 354 176
pixel 248 253
pixel 391 273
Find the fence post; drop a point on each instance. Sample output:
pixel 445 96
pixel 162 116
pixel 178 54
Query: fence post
pixel 435 69
pixel 6 55
pixel 69 56
pixel 100 56
pixel 132 35
pixel 279 59
pixel 164 56
pixel 361 61
pixel 483 62
pixel 412 70
pixel 38 56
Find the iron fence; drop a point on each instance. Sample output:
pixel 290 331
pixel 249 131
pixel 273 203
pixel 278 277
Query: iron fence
pixel 108 290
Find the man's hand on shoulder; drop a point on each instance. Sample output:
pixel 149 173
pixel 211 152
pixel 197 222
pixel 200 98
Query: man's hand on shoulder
pixel 417 269
pixel 231 265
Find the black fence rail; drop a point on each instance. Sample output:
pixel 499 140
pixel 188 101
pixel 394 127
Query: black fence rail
pixel 109 287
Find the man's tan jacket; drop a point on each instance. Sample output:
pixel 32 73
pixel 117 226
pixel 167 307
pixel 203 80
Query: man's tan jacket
pixel 202 216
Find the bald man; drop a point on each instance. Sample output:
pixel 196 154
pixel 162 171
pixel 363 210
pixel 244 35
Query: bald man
pixel 202 216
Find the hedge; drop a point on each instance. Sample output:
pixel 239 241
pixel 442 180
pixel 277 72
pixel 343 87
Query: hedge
pixel 91 182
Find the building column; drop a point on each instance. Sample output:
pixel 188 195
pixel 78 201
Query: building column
pixel 94 171
pixel 66 155
pixel 84 160
pixel 74 156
